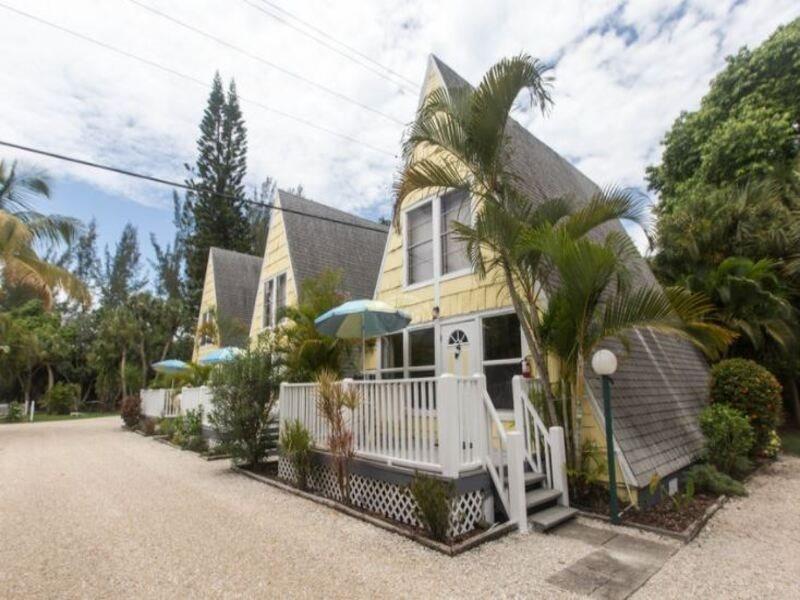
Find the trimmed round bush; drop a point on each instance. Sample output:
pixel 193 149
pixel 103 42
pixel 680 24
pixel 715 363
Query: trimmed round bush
pixel 729 437
pixel 750 388
pixel 131 410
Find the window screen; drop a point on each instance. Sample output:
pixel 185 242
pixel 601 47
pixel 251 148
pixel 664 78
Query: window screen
pixel 420 244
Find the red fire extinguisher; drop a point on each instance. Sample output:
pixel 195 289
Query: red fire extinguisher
pixel 526 368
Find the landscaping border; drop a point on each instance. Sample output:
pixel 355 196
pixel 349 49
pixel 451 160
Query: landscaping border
pixel 449 550
pixel 685 536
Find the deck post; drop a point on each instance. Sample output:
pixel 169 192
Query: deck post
pixel 282 406
pixel 558 460
pixel 447 425
pixel 516 480
pixel 519 409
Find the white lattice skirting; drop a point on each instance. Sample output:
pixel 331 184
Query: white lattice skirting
pixel 387 499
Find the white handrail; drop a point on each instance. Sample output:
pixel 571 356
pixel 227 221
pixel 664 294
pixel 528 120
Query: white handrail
pixel 498 475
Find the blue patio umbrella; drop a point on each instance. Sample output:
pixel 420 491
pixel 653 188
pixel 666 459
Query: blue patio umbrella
pixel 361 319
pixel 171 366
pixel 220 355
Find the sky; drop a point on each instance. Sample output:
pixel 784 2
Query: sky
pixel 330 116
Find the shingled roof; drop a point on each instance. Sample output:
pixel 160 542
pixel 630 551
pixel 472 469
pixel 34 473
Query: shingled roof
pixel 662 382
pixel 320 244
pixel 235 284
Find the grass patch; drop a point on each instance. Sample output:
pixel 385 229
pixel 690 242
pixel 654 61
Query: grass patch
pixel 790 440
pixel 43 417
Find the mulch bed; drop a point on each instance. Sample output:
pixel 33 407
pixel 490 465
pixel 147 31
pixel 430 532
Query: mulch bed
pixel 666 516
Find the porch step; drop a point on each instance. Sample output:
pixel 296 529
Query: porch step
pixel 551 517
pixel 532 478
pixel 538 496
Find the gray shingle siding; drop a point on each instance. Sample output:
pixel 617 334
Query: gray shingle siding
pixel 316 245
pixel 235 282
pixel 662 382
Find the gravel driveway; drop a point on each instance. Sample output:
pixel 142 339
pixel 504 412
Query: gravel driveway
pixel 87 510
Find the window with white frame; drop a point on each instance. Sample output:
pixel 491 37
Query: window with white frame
pixel 410 355
pixel 455 207
pixel 432 245
pixel 421 352
pixel 205 327
pixel 274 300
pixel 502 357
pixel 419 253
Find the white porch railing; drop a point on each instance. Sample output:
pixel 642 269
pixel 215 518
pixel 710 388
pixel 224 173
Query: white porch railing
pixel 195 398
pixel 545 450
pixel 160 402
pixel 447 425
pixel 431 423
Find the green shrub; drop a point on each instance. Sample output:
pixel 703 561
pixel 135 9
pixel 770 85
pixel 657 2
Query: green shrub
pixel 729 438
pixel 708 479
pixel 773 447
pixel 62 398
pixel 15 413
pixel 177 430
pixel 178 438
pixel 244 393
pixel 296 444
pixel 166 426
pixel 192 422
pixel 751 389
pixel 434 504
pixel 131 410
pixel 195 443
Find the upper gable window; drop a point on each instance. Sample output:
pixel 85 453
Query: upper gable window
pixel 274 300
pixel 280 296
pixel 420 243
pixel 268 304
pixel 455 207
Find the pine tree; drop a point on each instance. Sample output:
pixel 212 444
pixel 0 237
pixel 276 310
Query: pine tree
pixel 211 217
pixel 86 265
pixel 169 261
pixel 259 215
pixel 122 270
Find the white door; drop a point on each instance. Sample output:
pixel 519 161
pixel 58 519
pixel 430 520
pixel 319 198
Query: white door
pixel 460 348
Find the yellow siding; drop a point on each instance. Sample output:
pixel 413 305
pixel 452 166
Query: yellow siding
pixel 276 261
pixel 458 296
pixel 207 302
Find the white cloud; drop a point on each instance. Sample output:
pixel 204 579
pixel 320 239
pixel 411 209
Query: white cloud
pixel 616 92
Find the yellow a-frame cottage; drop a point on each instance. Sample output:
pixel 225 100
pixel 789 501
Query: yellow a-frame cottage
pixel 446 395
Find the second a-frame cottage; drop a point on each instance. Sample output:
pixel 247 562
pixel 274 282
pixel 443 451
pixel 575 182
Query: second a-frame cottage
pixel 305 239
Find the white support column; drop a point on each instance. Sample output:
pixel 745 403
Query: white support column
pixel 558 459
pixel 519 409
pixel 516 481
pixel 283 411
pixel 447 425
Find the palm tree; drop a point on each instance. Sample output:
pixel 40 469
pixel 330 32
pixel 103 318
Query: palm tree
pixel 595 301
pixel 459 142
pixel 21 228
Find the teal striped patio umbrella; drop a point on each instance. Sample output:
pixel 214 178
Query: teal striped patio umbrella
pixel 171 366
pixel 361 319
pixel 221 355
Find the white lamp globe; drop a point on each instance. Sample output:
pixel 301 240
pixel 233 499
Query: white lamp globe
pixel 604 362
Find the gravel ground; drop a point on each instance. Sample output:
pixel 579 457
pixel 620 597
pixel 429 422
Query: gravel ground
pixel 88 510
pixel 749 549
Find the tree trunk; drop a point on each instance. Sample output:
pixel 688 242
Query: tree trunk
pixel 577 412
pixel 143 357
pixel 50 379
pixel 534 346
pixel 122 360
